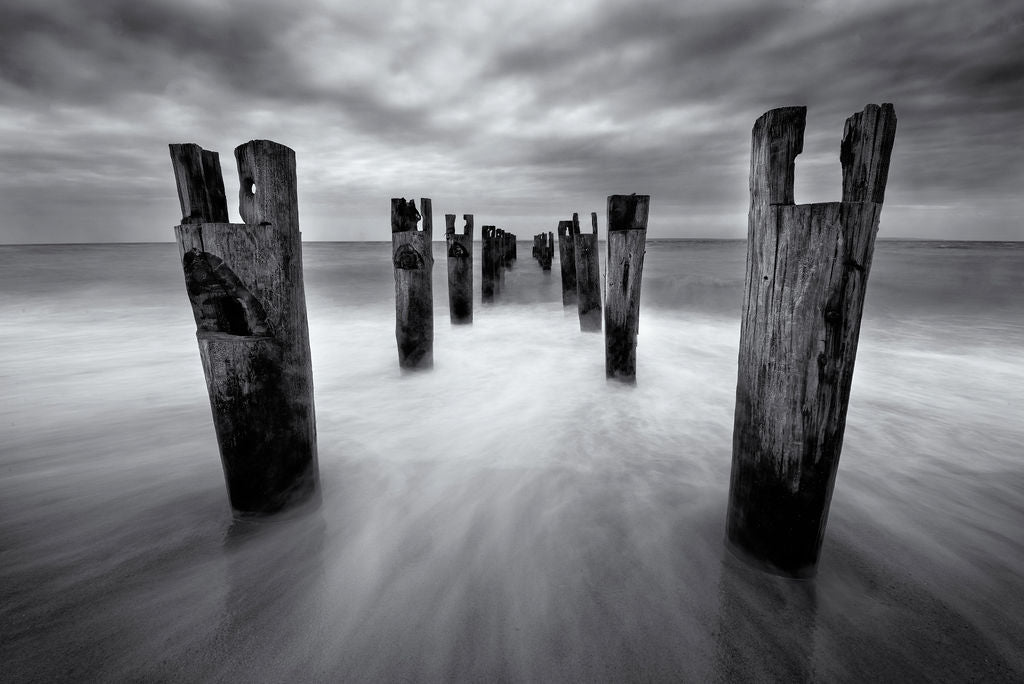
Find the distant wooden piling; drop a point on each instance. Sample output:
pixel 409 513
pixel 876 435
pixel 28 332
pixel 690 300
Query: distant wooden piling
pixel 567 260
pixel 488 273
pixel 807 269
pixel 460 269
pixel 499 260
pixel 244 282
pixel 627 237
pixel 547 250
pixel 588 277
pixel 413 259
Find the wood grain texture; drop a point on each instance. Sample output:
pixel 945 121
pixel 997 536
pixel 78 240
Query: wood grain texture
pixel 200 184
pixel 627 238
pixel 807 269
pixel 245 285
pixel 588 279
pixel 413 261
pixel 460 271
pixel 567 260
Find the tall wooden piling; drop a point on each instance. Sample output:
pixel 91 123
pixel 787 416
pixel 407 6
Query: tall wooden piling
pixel 567 260
pixel 627 237
pixel 413 259
pixel 244 282
pixel 807 270
pixel 460 270
pixel 588 277
pixel 488 281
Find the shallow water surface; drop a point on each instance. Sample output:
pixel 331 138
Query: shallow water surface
pixel 508 515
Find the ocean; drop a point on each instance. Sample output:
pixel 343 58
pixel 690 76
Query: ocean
pixel 509 515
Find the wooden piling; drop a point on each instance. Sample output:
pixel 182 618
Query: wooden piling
pixel 807 269
pixel 627 237
pixel 546 250
pixel 413 259
pixel 460 270
pixel 567 260
pixel 588 277
pixel 244 282
pixel 488 285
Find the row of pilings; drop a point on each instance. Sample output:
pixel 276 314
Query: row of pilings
pixel 806 276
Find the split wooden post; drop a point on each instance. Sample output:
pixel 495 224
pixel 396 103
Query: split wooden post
pixel 460 270
pixel 807 269
pixel 413 259
pixel 588 277
pixel 627 237
pixel 567 260
pixel 487 271
pixel 244 282
pixel 547 250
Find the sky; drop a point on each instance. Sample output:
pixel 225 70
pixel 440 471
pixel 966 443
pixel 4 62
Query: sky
pixel 518 112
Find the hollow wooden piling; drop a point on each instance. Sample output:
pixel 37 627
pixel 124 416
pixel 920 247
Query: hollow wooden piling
pixel 488 285
pixel 807 269
pixel 627 237
pixel 588 277
pixel 244 282
pixel 460 270
pixel 413 259
pixel 567 261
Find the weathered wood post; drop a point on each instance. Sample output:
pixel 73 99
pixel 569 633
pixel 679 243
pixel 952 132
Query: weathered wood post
pixel 627 237
pixel 460 269
pixel 567 259
pixel 807 269
pixel 588 277
pixel 413 259
pixel 487 280
pixel 244 282
pixel 547 250
pixel 499 260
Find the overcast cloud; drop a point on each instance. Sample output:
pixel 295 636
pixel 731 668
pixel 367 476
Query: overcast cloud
pixel 519 112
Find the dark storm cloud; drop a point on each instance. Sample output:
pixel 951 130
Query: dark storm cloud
pixel 506 102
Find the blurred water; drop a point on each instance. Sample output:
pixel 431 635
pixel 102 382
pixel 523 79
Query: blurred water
pixel 509 515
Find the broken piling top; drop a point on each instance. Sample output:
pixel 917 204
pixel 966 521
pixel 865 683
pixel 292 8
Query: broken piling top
pixel 626 212
pixel 865 151
pixel 778 137
pixel 268 190
pixel 200 184
pixel 468 228
pixel 449 224
pixel 564 229
pixel 404 216
pixel 575 223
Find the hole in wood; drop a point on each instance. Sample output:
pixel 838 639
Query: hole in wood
pixel 250 187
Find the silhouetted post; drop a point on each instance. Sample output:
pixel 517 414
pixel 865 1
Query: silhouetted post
pixel 244 283
pixel 487 284
pixel 499 260
pixel 567 260
pixel 807 268
pixel 627 237
pixel 413 259
pixel 460 269
pixel 547 250
pixel 588 277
